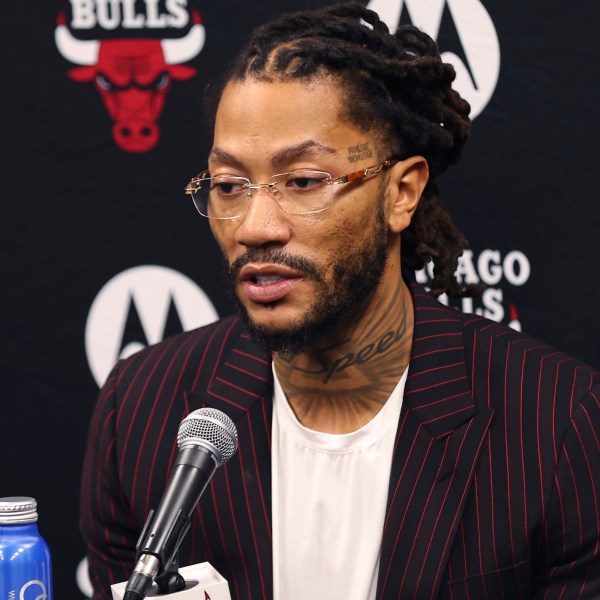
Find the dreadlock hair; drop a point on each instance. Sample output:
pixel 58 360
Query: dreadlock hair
pixel 397 86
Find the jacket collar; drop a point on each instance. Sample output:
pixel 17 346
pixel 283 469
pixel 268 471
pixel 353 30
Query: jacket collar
pixel 438 442
pixel 438 389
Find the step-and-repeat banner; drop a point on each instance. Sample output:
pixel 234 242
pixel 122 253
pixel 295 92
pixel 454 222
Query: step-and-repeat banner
pixel 102 253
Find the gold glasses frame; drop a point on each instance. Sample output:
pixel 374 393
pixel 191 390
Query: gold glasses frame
pixel 195 183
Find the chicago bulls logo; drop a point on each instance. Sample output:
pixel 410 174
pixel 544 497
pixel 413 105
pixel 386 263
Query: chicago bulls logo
pixel 133 77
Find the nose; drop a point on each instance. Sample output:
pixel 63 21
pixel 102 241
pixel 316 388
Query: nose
pixel 264 222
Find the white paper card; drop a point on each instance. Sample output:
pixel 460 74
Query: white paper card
pixel 211 585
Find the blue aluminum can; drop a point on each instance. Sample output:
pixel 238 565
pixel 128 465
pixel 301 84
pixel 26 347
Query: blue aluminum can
pixel 25 563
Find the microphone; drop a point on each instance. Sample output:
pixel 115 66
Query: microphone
pixel 207 438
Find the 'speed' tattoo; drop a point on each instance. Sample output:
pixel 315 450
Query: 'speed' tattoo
pixel 365 354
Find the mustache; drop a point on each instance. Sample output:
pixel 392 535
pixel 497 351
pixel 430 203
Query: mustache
pixel 278 257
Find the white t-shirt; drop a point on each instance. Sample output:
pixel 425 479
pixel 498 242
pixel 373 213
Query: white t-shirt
pixel 329 500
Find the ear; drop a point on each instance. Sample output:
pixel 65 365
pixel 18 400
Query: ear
pixel 407 181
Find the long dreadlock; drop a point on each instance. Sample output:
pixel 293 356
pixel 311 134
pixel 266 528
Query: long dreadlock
pixel 396 85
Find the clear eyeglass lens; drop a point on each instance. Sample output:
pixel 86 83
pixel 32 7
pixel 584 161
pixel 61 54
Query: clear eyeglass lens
pixel 221 197
pixel 298 192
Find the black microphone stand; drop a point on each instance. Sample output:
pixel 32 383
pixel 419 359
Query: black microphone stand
pixel 168 580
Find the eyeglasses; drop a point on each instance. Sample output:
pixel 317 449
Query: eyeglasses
pixel 299 192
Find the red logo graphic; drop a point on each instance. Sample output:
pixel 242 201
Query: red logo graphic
pixel 133 77
pixel 206 596
pixel 514 322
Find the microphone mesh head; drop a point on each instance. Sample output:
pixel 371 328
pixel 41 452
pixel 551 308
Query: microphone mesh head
pixel 209 426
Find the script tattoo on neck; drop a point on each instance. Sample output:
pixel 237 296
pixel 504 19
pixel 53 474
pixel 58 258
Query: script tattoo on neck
pixel 368 349
pixel 366 352
pixel 359 152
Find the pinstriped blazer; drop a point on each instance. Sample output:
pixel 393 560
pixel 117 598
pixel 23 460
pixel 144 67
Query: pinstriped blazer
pixel 495 483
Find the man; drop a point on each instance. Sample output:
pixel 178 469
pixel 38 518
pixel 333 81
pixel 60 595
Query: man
pixel 389 447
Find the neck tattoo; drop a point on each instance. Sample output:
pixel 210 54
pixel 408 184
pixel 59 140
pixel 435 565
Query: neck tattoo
pixel 374 351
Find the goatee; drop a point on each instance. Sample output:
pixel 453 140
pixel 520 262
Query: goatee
pixel 354 278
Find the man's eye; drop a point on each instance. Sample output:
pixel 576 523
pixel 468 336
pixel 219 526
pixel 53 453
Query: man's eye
pixel 227 188
pixel 305 183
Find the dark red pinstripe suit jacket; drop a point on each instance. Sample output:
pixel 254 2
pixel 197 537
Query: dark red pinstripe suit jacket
pixel 495 483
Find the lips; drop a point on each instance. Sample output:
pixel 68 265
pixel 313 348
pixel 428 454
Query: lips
pixel 268 283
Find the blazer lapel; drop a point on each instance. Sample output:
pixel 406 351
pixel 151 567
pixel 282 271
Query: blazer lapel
pixel 241 385
pixel 439 439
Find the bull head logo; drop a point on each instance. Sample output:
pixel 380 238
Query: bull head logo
pixel 132 76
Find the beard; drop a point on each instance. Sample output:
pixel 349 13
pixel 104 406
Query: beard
pixel 354 278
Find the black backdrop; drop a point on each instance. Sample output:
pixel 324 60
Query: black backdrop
pixel 101 252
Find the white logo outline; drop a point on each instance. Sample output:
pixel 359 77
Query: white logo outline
pixel 42 596
pixel 477 82
pixel 152 290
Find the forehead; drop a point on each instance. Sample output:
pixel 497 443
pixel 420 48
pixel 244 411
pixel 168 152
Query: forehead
pixel 263 118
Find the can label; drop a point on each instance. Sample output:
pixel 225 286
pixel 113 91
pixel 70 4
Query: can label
pixel 38 591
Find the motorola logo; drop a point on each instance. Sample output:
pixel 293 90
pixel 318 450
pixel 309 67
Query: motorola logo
pixel 465 34
pixel 139 307
pixel 83 579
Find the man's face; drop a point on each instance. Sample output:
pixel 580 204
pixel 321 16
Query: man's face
pixel 298 277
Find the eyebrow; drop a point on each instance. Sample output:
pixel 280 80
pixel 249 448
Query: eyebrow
pixel 305 149
pixel 308 148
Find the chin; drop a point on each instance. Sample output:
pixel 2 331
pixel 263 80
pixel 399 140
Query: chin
pixel 288 335
pixel 274 318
